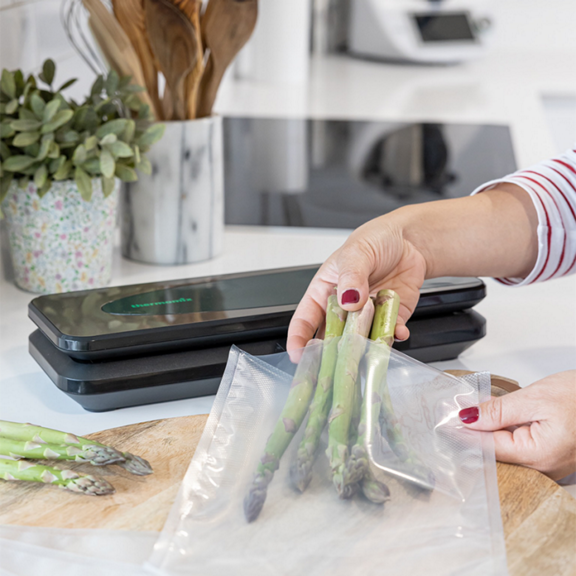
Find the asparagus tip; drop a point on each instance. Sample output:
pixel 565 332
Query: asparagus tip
pixel 254 502
pixel 90 485
pixel 301 474
pixel 135 464
pixel 375 491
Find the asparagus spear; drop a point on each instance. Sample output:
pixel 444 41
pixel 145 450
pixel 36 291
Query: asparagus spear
pixel 301 471
pixel 40 435
pixel 65 479
pixel 350 351
pixel 33 450
pixel 293 413
pixel 357 467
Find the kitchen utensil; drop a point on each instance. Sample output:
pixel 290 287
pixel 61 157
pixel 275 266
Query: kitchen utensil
pixel 174 43
pixel 116 46
pixel 130 15
pixel 226 26
pixel 531 504
pixel 191 9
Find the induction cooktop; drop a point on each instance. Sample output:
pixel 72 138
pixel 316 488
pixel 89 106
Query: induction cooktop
pixel 342 173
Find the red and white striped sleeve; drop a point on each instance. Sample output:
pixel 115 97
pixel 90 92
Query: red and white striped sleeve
pixel 552 187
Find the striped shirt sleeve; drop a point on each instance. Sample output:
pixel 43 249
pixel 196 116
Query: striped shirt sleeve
pixel 552 187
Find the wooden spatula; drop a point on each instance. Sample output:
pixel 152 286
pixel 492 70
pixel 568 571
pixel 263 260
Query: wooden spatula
pixel 191 9
pixel 130 15
pixel 226 26
pixel 116 46
pixel 174 43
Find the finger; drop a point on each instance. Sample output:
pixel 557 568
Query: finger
pixel 355 269
pixel 309 315
pixel 516 447
pixel 511 410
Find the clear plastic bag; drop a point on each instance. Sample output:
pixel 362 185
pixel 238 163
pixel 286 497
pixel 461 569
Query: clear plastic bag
pixel 442 516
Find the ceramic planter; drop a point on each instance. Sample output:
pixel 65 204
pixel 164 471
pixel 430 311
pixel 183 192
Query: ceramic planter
pixel 60 242
pixel 176 215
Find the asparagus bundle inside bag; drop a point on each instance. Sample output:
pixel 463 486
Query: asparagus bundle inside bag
pixel 350 351
pixel 301 471
pixel 299 396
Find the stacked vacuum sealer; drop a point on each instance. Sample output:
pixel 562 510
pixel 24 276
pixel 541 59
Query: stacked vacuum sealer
pixel 130 345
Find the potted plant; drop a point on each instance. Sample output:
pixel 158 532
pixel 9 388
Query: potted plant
pixel 61 167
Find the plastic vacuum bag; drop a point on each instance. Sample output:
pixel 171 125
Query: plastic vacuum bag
pixel 442 515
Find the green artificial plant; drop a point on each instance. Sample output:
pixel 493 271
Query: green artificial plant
pixel 46 137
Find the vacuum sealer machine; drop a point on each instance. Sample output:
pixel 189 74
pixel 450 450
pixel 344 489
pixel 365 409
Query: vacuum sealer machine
pixel 130 345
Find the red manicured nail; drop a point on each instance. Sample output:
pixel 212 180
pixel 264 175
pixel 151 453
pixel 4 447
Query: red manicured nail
pixel 469 415
pixel 350 296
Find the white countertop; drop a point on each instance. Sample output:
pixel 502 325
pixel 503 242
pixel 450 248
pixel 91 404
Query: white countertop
pixel 531 331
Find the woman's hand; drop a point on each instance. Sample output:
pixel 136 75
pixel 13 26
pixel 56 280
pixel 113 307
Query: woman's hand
pixel 545 416
pixel 375 256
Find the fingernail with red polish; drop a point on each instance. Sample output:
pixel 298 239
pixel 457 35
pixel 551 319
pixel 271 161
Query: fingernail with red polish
pixel 469 415
pixel 350 296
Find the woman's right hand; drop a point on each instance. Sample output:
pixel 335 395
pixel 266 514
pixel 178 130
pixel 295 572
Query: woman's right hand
pixel 375 256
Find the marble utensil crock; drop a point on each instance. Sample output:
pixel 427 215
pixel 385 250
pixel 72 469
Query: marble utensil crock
pixel 60 242
pixel 176 215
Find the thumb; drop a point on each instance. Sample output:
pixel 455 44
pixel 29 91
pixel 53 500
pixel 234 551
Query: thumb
pixel 354 268
pixel 512 409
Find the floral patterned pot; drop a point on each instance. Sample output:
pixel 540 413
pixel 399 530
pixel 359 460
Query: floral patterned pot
pixel 61 242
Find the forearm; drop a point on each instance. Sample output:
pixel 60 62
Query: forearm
pixel 490 234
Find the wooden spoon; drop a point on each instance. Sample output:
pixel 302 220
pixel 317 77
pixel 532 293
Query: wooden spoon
pixel 226 26
pixel 173 40
pixel 191 9
pixel 115 46
pixel 130 15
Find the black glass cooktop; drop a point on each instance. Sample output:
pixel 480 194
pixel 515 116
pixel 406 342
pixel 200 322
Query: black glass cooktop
pixel 340 173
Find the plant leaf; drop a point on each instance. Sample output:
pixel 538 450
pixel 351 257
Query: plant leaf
pixel 25 114
pixel 125 173
pixel 12 106
pixel 108 139
pixel 4 150
pixel 108 185
pixel 137 157
pixel 121 150
pixel 50 110
pixel 40 176
pixel 84 183
pixel 64 170
pixel 111 84
pixel 70 136
pixel 145 166
pixel 67 84
pixel 48 71
pixel 6 131
pixel 25 125
pixel 80 155
pixel 17 163
pixel 59 119
pixel 56 164
pixel 107 164
pixel 19 81
pixel 54 150
pixel 38 106
pixel 116 126
pixel 45 188
pixel 152 134
pixel 23 182
pixel 44 148
pixel 128 134
pixel 8 84
pixel 98 86
pixel 90 143
pixel 25 139
pixel 5 182
pixel 92 166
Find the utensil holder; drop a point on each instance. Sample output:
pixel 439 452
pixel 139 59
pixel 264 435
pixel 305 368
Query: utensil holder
pixel 176 214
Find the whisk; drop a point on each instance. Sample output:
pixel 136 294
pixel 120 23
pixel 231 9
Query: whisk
pixel 74 18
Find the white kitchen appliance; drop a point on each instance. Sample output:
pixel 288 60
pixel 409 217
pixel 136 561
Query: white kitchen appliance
pixel 425 31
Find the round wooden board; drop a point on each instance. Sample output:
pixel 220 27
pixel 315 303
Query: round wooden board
pixel 539 517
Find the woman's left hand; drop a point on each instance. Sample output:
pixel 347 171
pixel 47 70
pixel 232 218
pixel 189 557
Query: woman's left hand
pixel 545 416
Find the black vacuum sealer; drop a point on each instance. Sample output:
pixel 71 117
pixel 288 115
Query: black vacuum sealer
pixel 130 345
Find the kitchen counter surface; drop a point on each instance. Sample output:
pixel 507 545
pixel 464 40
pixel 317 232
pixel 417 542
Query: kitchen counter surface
pixel 531 331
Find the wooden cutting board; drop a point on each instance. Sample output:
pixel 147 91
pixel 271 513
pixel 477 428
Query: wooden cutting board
pixel 539 517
